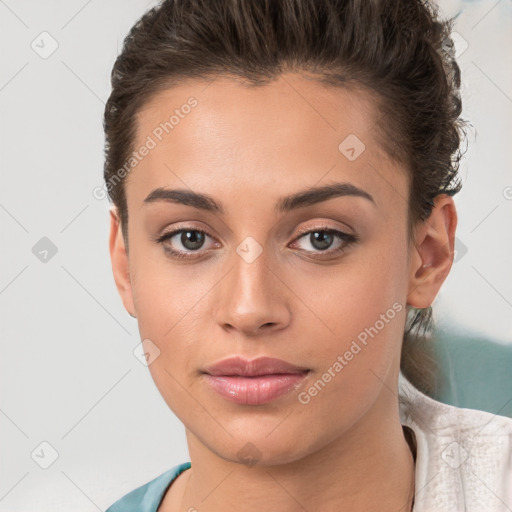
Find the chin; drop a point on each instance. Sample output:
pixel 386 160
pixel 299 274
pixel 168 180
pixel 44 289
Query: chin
pixel 260 449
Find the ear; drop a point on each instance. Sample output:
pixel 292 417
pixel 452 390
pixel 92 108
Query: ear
pixel 432 254
pixel 119 258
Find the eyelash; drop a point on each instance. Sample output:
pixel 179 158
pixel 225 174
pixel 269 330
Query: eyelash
pixel 347 238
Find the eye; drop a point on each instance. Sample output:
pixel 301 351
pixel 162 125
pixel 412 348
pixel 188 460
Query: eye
pixel 322 238
pixel 190 239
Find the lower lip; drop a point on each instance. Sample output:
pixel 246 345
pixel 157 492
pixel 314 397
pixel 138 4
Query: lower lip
pixel 254 390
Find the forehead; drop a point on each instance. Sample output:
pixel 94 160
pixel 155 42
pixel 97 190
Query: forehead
pixel 226 136
pixel 297 105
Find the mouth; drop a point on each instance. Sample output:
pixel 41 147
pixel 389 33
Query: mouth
pixel 254 382
pixel 255 390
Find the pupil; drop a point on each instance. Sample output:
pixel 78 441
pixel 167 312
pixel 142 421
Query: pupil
pixel 192 239
pixel 321 239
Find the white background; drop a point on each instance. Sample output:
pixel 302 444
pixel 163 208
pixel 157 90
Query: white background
pixel 67 369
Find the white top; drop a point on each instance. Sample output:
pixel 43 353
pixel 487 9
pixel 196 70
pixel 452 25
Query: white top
pixel 463 458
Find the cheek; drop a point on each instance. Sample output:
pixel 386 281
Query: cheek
pixel 345 299
pixel 163 292
pixel 174 310
pixel 357 342
pixel 358 312
pixel 171 313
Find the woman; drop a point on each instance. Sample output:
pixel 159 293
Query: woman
pixel 282 175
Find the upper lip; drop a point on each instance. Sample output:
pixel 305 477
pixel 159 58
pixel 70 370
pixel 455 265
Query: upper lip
pixel 238 365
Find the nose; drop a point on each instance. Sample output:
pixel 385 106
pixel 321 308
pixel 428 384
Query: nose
pixel 253 299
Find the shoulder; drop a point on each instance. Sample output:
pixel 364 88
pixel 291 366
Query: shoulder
pixel 464 456
pixel 147 497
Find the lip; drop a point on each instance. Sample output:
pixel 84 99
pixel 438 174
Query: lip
pixel 242 367
pixel 254 382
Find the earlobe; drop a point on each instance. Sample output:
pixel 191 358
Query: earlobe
pixel 432 253
pixel 120 263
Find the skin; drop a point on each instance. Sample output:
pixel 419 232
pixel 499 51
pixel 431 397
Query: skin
pixel 248 147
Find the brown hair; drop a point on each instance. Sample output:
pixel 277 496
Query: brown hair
pixel 396 50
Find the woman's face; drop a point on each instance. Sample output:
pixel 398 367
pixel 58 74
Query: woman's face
pixel 256 285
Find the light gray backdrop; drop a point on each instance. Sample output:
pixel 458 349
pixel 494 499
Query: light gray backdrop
pixel 74 398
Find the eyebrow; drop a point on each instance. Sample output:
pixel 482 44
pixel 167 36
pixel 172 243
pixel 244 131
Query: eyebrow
pixel 285 204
